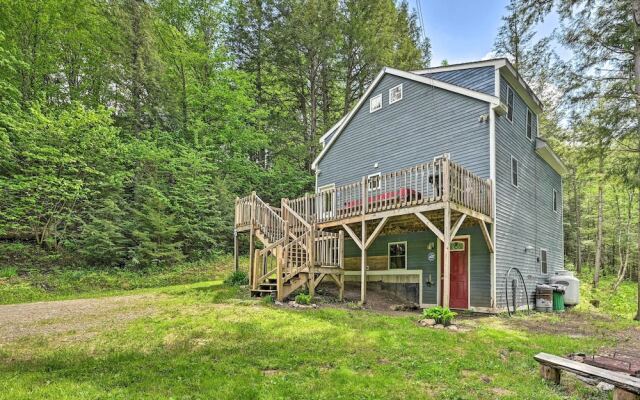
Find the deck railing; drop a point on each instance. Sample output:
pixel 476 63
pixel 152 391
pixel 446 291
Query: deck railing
pixel 426 183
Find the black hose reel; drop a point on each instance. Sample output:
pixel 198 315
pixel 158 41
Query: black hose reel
pixel 514 290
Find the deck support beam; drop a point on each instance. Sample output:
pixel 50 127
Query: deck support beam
pixel 457 226
pixel 353 235
pixel 363 263
pixel 376 232
pixel 430 225
pixel 487 235
pixel 446 261
pixel 235 250
pixel 252 257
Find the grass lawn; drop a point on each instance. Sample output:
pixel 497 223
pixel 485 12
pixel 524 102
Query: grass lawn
pixel 210 341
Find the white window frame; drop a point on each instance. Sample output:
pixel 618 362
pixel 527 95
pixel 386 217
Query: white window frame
pixel 391 100
pixel 517 171
pixel 510 106
pixel 546 262
pixel 406 252
pixel 371 109
pixel 377 174
pixel 554 201
pixel 529 124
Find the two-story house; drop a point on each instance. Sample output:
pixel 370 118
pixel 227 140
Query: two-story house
pixel 434 185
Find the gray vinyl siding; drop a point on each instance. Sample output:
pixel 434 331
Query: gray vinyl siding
pixel 479 79
pixel 417 252
pixel 426 123
pixel 524 215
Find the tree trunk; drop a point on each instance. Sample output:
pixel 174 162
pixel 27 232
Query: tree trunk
pixel 636 70
pixel 578 260
pixel 598 262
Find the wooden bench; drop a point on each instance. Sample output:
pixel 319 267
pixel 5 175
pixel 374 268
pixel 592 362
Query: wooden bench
pixel 626 386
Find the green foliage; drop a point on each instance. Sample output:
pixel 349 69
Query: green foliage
pixel 303 298
pixel 237 278
pixel 442 315
pixel 128 128
pixel 268 299
pixel 8 272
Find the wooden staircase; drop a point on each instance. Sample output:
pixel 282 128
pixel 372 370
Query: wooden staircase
pixel 295 252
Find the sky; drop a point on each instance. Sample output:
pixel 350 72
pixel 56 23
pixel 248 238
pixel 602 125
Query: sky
pixel 464 30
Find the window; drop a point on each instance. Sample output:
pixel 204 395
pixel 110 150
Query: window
pixel 375 103
pixel 509 104
pixel 514 171
pixel 555 200
pixel 529 124
pixel 398 255
pixel 395 94
pixel 457 245
pixel 544 267
pixel 373 181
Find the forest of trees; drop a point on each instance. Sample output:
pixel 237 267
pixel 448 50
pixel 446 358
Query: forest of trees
pixel 127 127
pixel 592 98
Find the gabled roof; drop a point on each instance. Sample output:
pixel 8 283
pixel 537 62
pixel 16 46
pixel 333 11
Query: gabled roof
pixel 502 64
pixel 339 127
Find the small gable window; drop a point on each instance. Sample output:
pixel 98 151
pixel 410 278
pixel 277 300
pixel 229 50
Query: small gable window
pixel 530 118
pixel 544 266
pixel 509 103
pixel 514 171
pixel 398 255
pixel 395 94
pixel 375 103
pixel 555 200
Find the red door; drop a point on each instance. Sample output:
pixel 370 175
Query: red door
pixel 459 286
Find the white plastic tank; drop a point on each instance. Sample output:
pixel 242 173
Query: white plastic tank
pixel 572 293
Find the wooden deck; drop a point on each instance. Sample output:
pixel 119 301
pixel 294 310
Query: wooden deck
pixel 437 186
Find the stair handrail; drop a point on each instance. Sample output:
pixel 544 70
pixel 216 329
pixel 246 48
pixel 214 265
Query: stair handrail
pixel 267 218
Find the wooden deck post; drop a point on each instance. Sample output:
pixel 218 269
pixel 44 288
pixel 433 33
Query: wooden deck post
pixel 341 262
pixel 312 260
pixel 235 250
pixel 363 263
pixel 446 245
pixel 252 257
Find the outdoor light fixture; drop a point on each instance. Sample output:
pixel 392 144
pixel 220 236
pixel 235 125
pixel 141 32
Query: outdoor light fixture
pixel 528 248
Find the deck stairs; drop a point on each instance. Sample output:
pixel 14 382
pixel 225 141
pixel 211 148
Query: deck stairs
pixel 295 253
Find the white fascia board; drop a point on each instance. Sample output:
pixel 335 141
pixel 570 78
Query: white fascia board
pixel 493 100
pixel 547 154
pixel 496 62
pixel 523 89
pixel 330 131
pixel 348 117
pixel 446 86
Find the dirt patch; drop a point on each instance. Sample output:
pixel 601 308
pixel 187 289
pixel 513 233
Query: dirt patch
pixel 377 300
pixel 80 318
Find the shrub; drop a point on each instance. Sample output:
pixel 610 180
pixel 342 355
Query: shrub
pixel 303 298
pixel 237 278
pixel 442 315
pixel 268 299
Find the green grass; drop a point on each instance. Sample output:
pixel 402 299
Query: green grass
pixel 621 303
pixel 209 340
pixel 65 283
